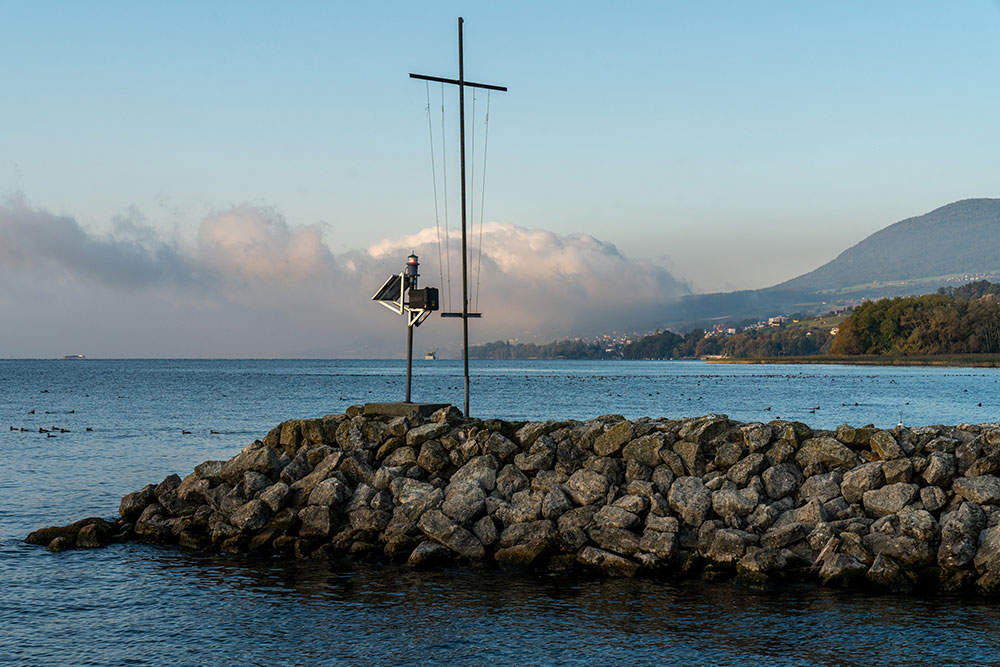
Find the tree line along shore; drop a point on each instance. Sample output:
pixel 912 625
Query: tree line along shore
pixel 955 326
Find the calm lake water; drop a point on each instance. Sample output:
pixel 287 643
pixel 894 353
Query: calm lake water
pixel 141 605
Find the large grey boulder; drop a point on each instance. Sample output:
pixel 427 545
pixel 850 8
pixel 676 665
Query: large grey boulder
pixel 438 527
pixel 898 470
pixel 734 502
pixel 555 503
pixel 210 470
pixel 530 531
pixel 573 526
pixel 486 531
pixel 401 456
pixel 901 548
pixel 481 469
pixel 785 535
pixel 193 490
pixel 756 436
pixel 606 563
pixel 464 501
pixel 429 554
pixel 987 558
pixel 541 456
pixel 587 487
pixel 617 540
pixel 941 468
pixel 258 458
pixel 751 465
pixel 960 535
pixel 297 469
pixel 330 493
pixel 811 513
pixel 661 544
pixel 613 439
pixel 525 505
pixel 411 489
pixel 933 498
pixel 704 429
pixel 616 517
pixel 500 447
pixel 856 438
pixel 841 569
pixel 418 435
pixel 252 516
pixel 885 446
pixel 781 480
pixel 858 481
pixel 822 487
pixel 890 498
pixel 885 573
pixel 134 503
pixel 510 480
pixel 645 450
pixel 763 561
pixel 276 496
pixel 527 434
pixel 690 499
pixel 825 450
pixel 982 490
pixel 920 525
pixel 692 455
pixel 369 520
pixel 93 535
pixel 303 487
pixel 727 454
pixel 433 456
pixel 728 546
pixel 316 521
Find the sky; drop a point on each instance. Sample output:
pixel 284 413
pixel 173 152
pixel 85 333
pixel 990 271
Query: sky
pixel 236 179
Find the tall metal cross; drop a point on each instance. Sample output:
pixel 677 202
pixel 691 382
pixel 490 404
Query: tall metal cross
pixel 462 84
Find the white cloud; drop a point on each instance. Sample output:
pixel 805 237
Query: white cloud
pixel 257 242
pixel 250 284
pixel 549 285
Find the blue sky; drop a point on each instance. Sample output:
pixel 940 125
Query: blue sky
pixel 733 144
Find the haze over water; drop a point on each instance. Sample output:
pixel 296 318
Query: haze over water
pixel 134 604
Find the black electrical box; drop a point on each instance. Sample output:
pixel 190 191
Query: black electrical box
pixel 425 299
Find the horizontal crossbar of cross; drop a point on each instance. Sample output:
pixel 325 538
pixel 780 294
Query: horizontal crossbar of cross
pixel 440 79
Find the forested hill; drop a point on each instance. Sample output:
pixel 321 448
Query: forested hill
pixel 965 320
pixel 960 238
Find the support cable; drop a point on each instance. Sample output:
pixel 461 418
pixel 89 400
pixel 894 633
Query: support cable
pixel 472 176
pixel 482 198
pixel 444 183
pixel 437 217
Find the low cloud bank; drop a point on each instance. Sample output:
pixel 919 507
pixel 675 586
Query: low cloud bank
pixel 250 284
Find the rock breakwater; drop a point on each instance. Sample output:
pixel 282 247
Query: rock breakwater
pixel 899 510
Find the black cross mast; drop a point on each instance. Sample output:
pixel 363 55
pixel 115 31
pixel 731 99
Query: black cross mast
pixel 462 85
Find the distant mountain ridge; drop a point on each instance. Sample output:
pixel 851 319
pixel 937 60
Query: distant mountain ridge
pixel 947 246
pixel 962 237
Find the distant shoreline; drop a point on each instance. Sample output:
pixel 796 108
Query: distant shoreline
pixel 967 360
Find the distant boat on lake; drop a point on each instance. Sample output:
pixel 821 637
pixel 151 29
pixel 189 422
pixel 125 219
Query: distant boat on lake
pixel 74 356
pixel 431 356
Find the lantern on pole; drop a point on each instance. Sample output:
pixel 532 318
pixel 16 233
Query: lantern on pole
pixel 399 294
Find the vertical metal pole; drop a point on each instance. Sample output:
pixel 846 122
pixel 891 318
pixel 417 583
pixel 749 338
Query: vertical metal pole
pixel 409 356
pixel 465 268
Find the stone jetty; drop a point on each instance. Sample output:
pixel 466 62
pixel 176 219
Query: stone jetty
pixel 898 510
